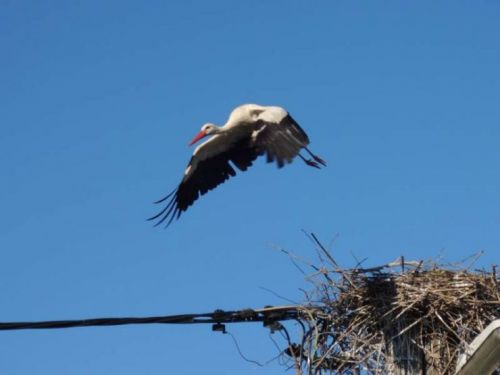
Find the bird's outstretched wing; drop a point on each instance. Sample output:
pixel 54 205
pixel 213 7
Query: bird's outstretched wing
pixel 209 167
pixel 279 136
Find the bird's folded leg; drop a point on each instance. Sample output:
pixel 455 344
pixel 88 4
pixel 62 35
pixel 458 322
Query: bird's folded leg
pixel 310 162
pixel 319 160
pixel 316 157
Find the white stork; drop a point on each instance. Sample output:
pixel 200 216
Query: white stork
pixel 251 130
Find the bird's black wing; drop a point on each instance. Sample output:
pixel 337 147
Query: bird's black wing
pixel 281 140
pixel 207 173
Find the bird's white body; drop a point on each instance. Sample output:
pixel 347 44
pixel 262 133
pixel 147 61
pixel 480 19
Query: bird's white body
pixel 250 131
pixel 240 123
pixel 251 113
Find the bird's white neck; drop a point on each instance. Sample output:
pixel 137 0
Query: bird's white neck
pixel 218 129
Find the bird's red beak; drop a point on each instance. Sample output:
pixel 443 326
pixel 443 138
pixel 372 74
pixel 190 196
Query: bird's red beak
pixel 198 136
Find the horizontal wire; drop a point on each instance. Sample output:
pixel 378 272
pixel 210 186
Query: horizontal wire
pixel 267 315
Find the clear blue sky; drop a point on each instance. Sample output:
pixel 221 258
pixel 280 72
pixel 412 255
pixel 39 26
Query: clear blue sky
pixel 98 102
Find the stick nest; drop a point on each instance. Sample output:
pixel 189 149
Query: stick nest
pixel 402 316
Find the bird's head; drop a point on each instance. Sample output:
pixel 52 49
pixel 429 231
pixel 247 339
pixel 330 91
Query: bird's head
pixel 207 129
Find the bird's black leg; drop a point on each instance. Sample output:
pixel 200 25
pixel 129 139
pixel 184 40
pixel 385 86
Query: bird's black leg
pixel 310 162
pixel 316 157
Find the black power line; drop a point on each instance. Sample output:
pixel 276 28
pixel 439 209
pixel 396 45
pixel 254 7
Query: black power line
pixel 268 315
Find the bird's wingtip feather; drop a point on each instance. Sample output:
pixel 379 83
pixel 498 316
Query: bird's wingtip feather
pixel 165 197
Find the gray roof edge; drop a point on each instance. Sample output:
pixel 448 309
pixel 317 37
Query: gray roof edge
pixel 483 353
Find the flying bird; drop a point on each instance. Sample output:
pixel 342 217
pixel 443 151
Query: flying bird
pixel 251 131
